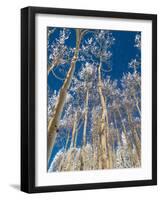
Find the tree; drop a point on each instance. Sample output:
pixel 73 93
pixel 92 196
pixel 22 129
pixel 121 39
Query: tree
pixel 54 122
pixel 103 41
pixel 59 53
pixel 95 120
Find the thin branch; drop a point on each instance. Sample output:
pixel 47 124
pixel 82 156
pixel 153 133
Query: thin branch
pixel 110 69
pixel 56 76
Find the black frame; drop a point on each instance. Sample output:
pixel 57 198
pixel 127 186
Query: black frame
pixel 28 98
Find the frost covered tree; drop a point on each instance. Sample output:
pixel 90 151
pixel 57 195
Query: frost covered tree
pixel 54 122
pixel 59 53
pixel 96 48
pixel 93 120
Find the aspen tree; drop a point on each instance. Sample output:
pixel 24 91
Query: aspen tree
pixel 54 122
pixel 104 129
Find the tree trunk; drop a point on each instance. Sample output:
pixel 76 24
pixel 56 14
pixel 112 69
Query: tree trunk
pixel 119 143
pixel 75 141
pixel 68 166
pixel 69 161
pixel 135 135
pixel 95 142
pixel 82 153
pixel 85 119
pixel 74 129
pixel 65 149
pixel 95 163
pixel 81 158
pixel 127 139
pixel 117 132
pixel 54 122
pixel 104 130
pixel 137 104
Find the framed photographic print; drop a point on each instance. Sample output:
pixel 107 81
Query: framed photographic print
pixel 88 99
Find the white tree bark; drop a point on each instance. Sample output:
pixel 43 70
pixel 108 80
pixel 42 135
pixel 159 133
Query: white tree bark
pixel 74 130
pixel 54 122
pixel 85 119
pixel 104 130
pixel 64 154
pixel 135 135
pixel 127 139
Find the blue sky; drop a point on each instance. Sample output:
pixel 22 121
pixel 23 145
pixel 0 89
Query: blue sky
pixel 123 51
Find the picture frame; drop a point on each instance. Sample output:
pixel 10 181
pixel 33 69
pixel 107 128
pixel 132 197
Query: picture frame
pixel 29 98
